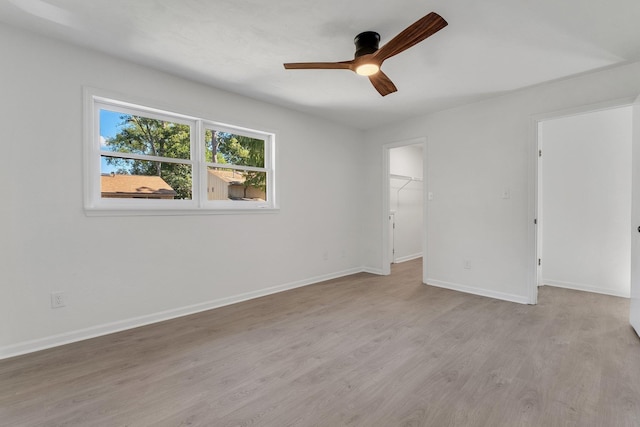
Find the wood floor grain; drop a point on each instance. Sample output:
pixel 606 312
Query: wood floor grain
pixel 358 351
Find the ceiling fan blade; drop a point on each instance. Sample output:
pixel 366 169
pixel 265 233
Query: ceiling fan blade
pixel 382 83
pixel 346 65
pixel 412 35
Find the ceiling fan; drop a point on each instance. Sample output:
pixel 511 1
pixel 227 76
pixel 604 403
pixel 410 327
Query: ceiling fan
pixel 368 58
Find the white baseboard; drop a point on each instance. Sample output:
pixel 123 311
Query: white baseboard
pixel 586 288
pixel 109 328
pixel 408 258
pixel 376 271
pixel 479 291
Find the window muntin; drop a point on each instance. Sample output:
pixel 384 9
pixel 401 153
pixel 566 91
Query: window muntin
pixel 141 158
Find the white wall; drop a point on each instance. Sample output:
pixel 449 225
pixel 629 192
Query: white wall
pixel 119 272
pixel 115 271
pixel 475 152
pixel 586 201
pixel 407 201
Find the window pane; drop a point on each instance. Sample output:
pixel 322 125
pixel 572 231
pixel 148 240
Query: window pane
pixel 141 179
pixel 229 184
pixel 128 133
pixel 224 147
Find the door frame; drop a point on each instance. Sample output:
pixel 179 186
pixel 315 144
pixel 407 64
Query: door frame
pixel 634 303
pixel 386 188
pixel 535 190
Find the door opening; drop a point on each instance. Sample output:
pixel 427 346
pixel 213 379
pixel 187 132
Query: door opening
pixel 584 201
pixel 404 231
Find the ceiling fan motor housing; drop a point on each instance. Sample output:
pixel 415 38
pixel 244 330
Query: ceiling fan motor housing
pixel 366 43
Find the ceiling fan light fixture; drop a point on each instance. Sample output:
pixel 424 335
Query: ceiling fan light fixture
pixel 367 69
pixel 369 57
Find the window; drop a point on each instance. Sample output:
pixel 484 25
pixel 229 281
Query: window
pixel 143 160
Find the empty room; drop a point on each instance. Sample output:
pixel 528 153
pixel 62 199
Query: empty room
pixel 319 213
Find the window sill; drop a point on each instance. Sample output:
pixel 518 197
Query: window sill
pixel 102 212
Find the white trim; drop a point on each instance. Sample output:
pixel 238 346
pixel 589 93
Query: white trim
pixel 532 214
pixel 217 126
pixel 94 205
pixel 147 157
pixel 585 109
pixel 408 258
pixel 135 322
pixel 539 229
pixel 584 288
pixel 634 282
pixel 149 211
pixel 386 201
pixel 234 167
pixel 376 271
pixel 520 299
pixel 425 210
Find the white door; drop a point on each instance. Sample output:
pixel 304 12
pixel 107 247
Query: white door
pixel 634 317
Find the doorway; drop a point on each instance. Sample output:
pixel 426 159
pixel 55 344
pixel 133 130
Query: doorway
pixel 404 219
pixel 584 201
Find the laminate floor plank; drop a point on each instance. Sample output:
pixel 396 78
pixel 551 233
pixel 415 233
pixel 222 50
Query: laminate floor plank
pixel 362 350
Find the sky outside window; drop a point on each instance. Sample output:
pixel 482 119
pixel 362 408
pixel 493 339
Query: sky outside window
pixel 109 126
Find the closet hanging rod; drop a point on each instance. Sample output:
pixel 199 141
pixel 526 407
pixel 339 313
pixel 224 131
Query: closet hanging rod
pixel 409 178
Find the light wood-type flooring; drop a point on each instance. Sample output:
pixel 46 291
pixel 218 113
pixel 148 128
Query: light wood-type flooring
pixel 357 351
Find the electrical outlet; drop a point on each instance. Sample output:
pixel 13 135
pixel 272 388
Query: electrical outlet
pixel 466 264
pixel 57 300
pixel 325 255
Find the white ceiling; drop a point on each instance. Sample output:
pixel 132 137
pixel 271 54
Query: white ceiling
pixel 489 47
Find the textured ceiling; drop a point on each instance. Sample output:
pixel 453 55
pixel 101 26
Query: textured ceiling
pixel 489 47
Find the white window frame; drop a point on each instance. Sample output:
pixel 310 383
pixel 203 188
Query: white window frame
pixel 95 204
